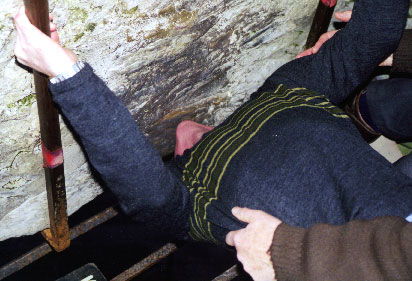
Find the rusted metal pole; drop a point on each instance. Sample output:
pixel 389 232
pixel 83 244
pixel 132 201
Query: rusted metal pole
pixel 321 21
pixel 58 234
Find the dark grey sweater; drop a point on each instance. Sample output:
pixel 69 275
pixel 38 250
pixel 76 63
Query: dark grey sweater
pixel 302 161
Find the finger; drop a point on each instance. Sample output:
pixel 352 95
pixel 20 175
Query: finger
pixel 387 62
pixel 322 39
pixel 343 16
pixel 53 27
pixel 305 53
pixel 230 238
pixel 245 214
pixel 53 33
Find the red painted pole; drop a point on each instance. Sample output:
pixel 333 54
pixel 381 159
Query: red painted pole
pixel 58 234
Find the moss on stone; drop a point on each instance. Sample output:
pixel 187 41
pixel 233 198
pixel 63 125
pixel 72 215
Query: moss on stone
pixel 78 36
pixel 90 26
pixel 78 14
pixel 175 18
pixel 23 102
pixel 133 10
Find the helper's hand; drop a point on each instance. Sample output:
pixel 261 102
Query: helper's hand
pixel 253 242
pixel 38 51
pixel 342 16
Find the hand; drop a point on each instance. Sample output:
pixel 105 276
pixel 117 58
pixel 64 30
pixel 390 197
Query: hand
pixel 38 51
pixel 342 16
pixel 253 242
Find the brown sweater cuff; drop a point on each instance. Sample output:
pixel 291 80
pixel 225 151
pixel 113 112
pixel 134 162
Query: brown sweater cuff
pixel 286 252
pixel 402 57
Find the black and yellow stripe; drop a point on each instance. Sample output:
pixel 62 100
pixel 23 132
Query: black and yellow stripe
pixel 210 158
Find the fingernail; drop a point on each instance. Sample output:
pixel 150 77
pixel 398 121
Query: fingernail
pixel 235 210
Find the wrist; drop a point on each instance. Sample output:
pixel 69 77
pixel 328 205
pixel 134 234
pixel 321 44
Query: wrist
pixel 67 72
pixel 60 60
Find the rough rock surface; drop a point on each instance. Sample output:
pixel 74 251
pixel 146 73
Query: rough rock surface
pixel 167 60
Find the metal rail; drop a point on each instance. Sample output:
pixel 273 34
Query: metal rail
pixel 45 248
pixel 146 263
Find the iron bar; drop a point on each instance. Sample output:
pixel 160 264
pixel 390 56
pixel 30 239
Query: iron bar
pixel 58 235
pixel 320 21
pixel 45 248
pixel 146 263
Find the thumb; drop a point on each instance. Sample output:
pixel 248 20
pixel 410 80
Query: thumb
pixel 246 215
pixel 344 16
pixel 21 19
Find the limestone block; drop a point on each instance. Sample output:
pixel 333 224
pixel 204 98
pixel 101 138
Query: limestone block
pixel 167 60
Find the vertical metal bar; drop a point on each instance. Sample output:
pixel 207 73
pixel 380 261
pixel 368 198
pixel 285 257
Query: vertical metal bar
pixel 58 234
pixel 321 21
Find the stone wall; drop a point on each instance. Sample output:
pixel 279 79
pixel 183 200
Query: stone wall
pixel 167 60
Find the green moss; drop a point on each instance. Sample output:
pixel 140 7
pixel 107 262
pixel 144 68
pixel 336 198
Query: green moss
pixel 13 184
pixel 78 14
pixel 23 102
pixel 90 26
pixel 78 36
pixel 175 18
pixel 133 10
pixel 124 9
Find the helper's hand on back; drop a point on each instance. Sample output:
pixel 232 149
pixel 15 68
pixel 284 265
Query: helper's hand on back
pixel 253 242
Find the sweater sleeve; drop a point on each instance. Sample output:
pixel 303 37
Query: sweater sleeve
pixel 378 249
pixel 126 161
pixel 402 57
pixel 346 61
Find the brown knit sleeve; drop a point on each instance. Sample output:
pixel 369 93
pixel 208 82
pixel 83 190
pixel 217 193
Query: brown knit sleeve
pixel 377 249
pixel 286 252
pixel 402 57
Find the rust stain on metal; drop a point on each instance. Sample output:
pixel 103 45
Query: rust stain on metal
pixel 45 248
pixel 229 274
pixel 24 260
pixel 92 222
pixel 146 263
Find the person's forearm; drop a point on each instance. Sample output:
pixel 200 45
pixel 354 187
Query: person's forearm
pixel 116 148
pixel 378 249
pixel 347 60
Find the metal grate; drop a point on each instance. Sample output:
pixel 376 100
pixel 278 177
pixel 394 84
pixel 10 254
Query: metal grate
pixel 44 249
